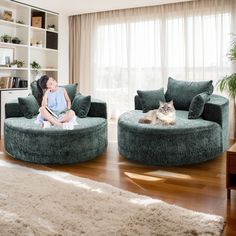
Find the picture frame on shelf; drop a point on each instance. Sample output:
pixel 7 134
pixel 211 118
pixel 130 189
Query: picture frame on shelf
pixel 37 21
pixel 7 15
pixel 6 56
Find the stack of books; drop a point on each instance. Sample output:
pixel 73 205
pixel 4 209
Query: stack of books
pixel 13 82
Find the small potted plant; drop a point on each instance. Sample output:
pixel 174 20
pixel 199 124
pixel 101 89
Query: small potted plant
pixel 51 27
pixel 20 22
pixel 17 64
pixel 15 40
pixel 35 66
pixel 6 38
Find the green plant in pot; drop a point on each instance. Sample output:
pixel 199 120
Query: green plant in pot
pixel 6 38
pixel 20 22
pixel 15 40
pixel 51 27
pixel 17 63
pixel 35 66
pixel 228 83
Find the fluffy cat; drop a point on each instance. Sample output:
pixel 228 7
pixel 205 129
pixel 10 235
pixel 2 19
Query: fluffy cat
pixel 164 115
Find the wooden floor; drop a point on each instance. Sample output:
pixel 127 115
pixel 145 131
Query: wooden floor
pixel 198 187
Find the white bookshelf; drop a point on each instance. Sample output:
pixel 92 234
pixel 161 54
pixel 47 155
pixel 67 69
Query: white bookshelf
pixel 38 44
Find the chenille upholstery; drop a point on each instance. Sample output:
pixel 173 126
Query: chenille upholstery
pixel 25 140
pixel 189 141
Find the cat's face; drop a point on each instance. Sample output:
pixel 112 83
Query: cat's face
pixel 166 107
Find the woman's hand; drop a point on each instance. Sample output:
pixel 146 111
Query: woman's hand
pixel 47 91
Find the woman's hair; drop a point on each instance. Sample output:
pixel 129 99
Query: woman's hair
pixel 41 85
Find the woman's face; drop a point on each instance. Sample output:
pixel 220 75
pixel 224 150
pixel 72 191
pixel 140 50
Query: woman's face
pixel 51 84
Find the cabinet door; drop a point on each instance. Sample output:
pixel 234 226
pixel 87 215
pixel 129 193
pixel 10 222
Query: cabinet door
pixel 8 96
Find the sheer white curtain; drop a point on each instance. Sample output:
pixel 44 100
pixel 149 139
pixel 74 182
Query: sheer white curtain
pixel 126 50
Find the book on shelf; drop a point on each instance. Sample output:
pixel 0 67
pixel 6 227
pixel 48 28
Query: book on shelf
pixel 5 82
pixel 13 82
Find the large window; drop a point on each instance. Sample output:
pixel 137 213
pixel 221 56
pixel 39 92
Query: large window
pixel 142 54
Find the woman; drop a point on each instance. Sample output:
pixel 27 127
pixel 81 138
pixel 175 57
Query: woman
pixel 55 99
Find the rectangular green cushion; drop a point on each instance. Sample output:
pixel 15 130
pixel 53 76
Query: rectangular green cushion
pixel 28 106
pixel 81 105
pixel 182 92
pixel 150 99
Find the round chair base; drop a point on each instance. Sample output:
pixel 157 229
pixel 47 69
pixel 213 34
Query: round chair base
pixel 24 140
pixel 187 142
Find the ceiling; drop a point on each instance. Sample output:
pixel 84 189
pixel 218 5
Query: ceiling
pixel 74 7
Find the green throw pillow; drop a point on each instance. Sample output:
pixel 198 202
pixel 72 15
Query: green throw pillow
pixel 182 92
pixel 81 105
pixel 33 86
pixel 28 106
pixel 71 90
pixel 197 105
pixel 150 99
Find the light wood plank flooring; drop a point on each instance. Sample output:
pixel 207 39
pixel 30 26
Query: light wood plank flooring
pixel 198 187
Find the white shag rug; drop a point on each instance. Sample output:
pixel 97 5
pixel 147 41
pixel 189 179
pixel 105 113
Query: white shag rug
pixel 44 203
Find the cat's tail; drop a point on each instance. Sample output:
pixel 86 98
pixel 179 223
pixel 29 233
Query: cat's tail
pixel 144 121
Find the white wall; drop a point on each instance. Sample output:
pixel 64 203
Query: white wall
pixel 63 50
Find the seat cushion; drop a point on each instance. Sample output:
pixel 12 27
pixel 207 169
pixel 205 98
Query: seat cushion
pixel 182 92
pixel 25 140
pixel 187 142
pixel 183 124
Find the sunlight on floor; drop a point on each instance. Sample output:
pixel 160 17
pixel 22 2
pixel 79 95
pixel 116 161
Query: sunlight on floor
pixel 142 177
pixel 66 178
pixel 59 176
pixel 168 174
pixel 144 202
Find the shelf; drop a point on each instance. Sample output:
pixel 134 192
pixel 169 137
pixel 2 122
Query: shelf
pixel 37 28
pixel 12 24
pixel 46 69
pixel 13 45
pixel 10 68
pixel 43 48
pixel 9 89
pixel 53 31
pixel 42 29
